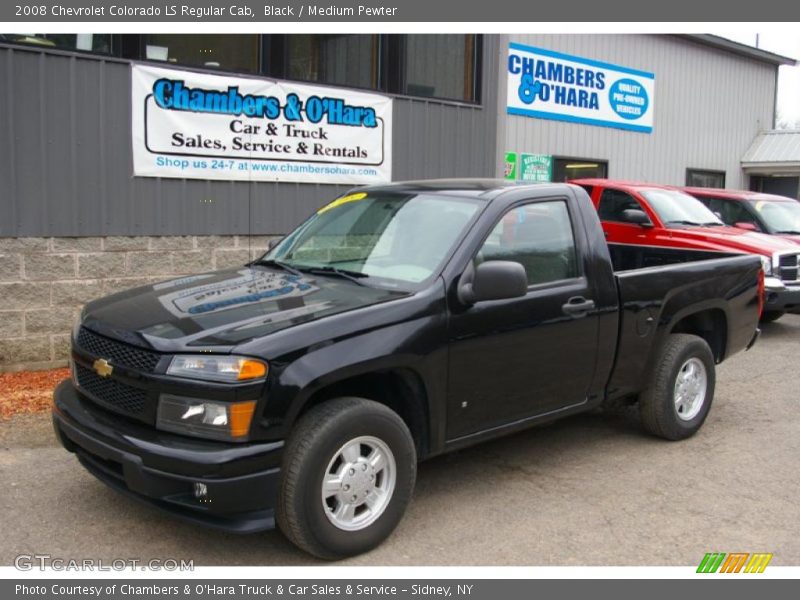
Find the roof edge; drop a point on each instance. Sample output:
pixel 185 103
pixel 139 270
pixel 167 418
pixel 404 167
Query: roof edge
pixel 722 43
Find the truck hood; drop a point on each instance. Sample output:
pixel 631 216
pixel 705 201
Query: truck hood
pixel 735 239
pixel 222 309
pixel 795 239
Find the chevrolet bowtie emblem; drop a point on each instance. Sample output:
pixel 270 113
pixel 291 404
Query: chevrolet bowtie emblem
pixel 102 367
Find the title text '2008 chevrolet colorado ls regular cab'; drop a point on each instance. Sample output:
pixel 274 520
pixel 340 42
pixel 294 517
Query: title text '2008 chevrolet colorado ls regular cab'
pixel 397 323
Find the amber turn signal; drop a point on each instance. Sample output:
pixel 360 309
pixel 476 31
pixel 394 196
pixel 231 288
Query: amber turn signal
pixel 251 369
pixel 241 414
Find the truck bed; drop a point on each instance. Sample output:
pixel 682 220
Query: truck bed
pixel 657 285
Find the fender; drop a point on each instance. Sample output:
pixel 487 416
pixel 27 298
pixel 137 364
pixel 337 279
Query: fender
pixel 395 348
pixel 414 343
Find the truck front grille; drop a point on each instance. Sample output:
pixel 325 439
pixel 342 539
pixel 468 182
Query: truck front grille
pixel 788 267
pixel 110 392
pixel 116 352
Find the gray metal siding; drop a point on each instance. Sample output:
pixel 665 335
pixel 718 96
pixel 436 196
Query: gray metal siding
pixel 709 106
pixel 66 164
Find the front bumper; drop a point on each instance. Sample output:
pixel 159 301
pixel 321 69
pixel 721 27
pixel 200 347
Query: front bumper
pixel 783 298
pixel 164 470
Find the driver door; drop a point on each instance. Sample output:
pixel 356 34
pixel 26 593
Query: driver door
pixel 522 357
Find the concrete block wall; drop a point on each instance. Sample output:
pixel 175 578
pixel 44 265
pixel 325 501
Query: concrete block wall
pixel 44 282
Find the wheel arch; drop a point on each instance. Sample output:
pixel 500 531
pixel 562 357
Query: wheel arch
pixel 711 324
pixel 401 389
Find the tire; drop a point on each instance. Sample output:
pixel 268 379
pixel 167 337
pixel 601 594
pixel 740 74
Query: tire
pixel 663 412
pixel 319 446
pixel 770 316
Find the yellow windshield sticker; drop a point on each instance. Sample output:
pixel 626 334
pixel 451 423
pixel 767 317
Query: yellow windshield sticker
pixel 759 205
pixel 342 200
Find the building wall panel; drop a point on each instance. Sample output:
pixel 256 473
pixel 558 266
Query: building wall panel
pixel 66 159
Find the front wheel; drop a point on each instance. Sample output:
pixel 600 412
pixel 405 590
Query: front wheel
pixel 678 398
pixel 347 476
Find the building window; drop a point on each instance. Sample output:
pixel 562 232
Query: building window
pixel 226 52
pixel 349 60
pixel 84 42
pixel 703 178
pixel 440 66
pixel 565 169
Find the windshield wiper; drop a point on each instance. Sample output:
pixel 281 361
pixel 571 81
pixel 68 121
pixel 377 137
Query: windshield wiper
pixel 712 224
pixel 353 276
pixel 268 262
pixel 683 222
pixel 788 232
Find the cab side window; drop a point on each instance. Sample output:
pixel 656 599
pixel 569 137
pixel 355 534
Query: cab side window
pixel 539 237
pixel 613 203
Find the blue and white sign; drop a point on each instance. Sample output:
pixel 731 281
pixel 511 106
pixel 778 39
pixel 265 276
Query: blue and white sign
pixel 551 85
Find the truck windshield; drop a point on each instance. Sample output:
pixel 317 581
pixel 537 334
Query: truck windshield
pixel 779 217
pixel 383 238
pixel 676 209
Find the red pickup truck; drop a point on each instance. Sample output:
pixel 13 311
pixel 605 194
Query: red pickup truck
pixel 753 211
pixel 644 214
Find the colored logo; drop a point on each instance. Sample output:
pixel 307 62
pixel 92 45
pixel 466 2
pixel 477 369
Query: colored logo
pixel 529 88
pixel 102 367
pixel 628 98
pixel 735 562
pixel 510 166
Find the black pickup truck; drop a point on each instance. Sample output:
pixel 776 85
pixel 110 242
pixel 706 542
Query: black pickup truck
pixel 397 323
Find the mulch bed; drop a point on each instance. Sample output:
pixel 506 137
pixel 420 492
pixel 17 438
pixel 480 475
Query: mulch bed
pixel 28 392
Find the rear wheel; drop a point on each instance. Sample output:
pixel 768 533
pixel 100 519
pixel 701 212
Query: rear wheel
pixel 768 316
pixel 676 403
pixel 348 474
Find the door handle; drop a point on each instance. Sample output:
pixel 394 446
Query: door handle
pixel 577 307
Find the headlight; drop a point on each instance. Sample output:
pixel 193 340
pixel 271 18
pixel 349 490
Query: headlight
pixel 766 264
pixel 205 418
pixel 209 367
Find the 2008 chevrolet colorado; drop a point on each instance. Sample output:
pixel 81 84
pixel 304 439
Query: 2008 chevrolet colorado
pixel 397 323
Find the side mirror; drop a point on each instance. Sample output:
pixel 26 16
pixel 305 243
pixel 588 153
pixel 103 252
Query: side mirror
pixel 273 242
pixel 746 226
pixel 493 280
pixel 636 216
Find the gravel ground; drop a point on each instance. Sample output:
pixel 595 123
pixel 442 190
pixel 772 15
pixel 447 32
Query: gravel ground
pixel 588 490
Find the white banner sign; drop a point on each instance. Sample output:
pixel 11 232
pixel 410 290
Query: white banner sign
pixel 204 126
pixel 552 85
